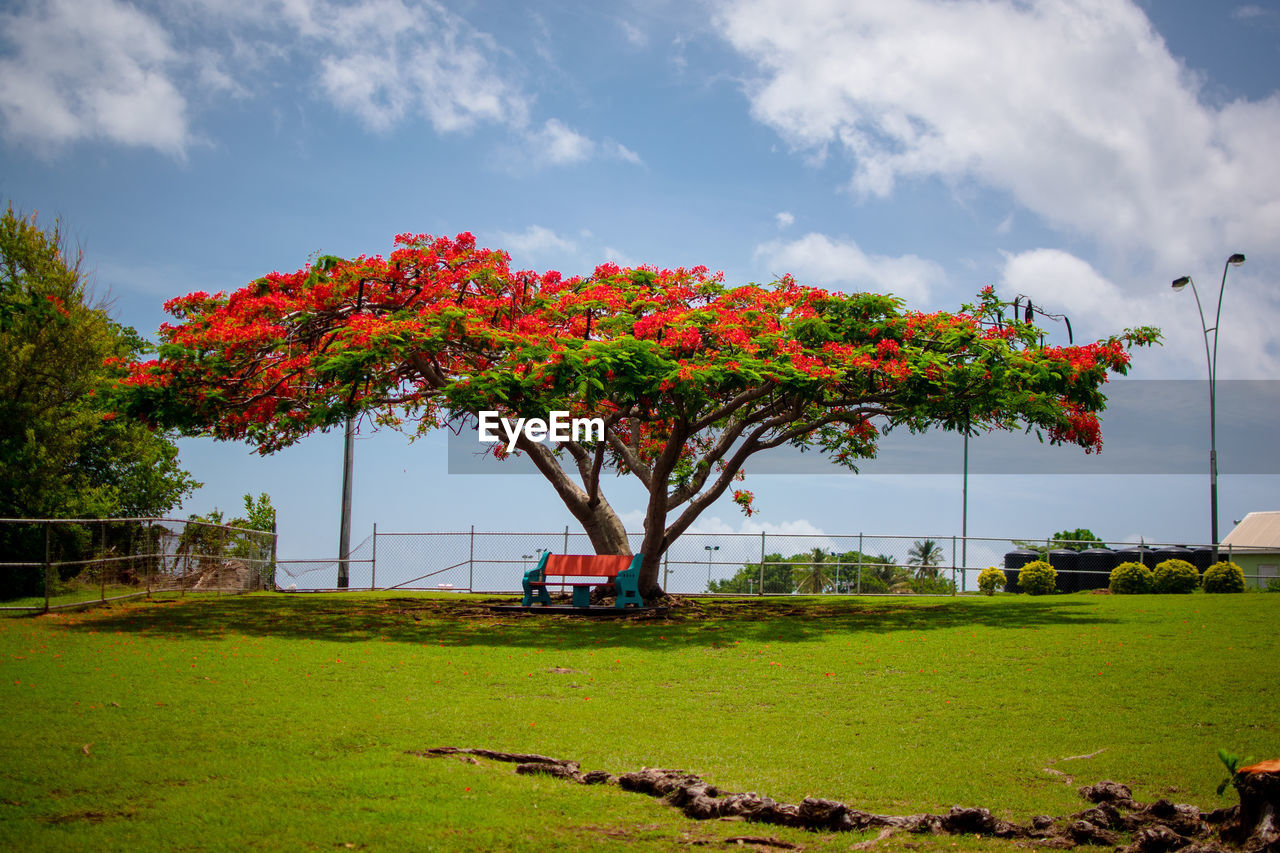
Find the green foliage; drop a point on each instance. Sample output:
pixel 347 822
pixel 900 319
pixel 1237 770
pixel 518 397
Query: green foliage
pixel 1176 576
pixel 1273 585
pixel 1037 578
pixel 1232 762
pixel 990 580
pixel 1131 579
pixel 1076 540
pixel 926 555
pixel 815 572
pixel 1223 576
pixel 931 586
pixel 63 453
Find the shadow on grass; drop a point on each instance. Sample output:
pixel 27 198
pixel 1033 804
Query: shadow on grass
pixel 469 622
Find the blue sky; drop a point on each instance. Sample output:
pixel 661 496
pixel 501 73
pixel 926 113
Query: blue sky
pixel 1084 152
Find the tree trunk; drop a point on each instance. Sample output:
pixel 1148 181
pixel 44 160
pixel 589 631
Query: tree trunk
pixel 1259 823
pixel 604 529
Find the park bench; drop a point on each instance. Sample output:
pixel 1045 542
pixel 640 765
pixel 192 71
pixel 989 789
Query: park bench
pixel 582 572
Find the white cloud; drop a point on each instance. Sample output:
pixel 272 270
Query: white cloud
pixel 558 144
pixel 105 69
pixel 1063 283
pixel 635 36
pixel 618 151
pixel 620 258
pixel 95 69
pixel 1249 10
pixel 715 524
pixel 1075 108
pixel 785 219
pixel 817 259
pixel 535 240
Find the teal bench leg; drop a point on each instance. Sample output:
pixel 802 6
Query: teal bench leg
pixel 581 596
pixel 535 575
pixel 628 585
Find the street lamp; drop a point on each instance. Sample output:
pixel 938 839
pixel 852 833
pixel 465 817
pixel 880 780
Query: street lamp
pixel 709 549
pixel 1212 358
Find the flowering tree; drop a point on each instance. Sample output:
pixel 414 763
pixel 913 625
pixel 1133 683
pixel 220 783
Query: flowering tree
pixel 690 377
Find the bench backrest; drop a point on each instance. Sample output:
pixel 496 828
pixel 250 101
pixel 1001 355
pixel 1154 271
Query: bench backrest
pixel 587 565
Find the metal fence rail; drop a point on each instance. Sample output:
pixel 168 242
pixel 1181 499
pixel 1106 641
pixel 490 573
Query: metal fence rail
pixel 697 563
pixel 50 564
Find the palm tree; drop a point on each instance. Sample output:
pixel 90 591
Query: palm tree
pixel 885 569
pixel 926 555
pixel 811 577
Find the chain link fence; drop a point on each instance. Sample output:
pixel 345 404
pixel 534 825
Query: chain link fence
pixel 731 564
pixel 48 564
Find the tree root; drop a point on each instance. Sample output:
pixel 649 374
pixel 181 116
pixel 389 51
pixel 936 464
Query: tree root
pixel 1159 827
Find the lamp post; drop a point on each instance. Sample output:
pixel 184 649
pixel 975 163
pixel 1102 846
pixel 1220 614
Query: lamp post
pixel 1211 356
pixel 709 549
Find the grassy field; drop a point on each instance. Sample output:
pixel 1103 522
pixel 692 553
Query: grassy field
pixel 286 722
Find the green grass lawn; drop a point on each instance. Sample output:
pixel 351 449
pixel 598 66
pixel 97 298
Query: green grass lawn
pixel 286 721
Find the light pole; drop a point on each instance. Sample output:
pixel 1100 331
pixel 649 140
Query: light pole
pixel 1212 358
pixel 709 549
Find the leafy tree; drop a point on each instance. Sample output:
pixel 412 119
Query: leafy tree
pixel 926 555
pixel 838 573
pixel 778 578
pixel 815 576
pixel 690 377
pixel 1079 539
pixel 63 452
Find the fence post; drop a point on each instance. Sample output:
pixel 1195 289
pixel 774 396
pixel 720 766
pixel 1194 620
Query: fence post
pixel 566 540
pixel 953 565
pixel 146 556
pixel 48 567
pixel 373 560
pixel 859 564
pixel 102 564
pixel 275 545
pixel 471 562
pixel 762 550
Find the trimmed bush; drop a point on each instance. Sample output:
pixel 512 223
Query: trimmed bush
pixel 1131 579
pixel 1273 585
pixel 990 580
pixel 1038 578
pixel 1176 576
pixel 1224 577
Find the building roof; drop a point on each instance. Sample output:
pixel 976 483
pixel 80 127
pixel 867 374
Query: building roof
pixel 1256 530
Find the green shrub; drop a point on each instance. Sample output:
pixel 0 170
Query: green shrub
pixel 1273 585
pixel 1177 576
pixel 871 585
pixel 1224 577
pixel 932 586
pixel 1037 578
pixel 990 580
pixel 1131 579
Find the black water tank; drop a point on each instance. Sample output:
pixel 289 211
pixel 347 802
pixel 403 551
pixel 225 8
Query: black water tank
pixel 1138 554
pixel 1013 561
pixel 1066 563
pixel 1095 566
pixel 1202 558
pixel 1174 552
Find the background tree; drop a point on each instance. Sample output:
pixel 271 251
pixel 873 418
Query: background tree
pixel 63 453
pixel 691 377
pixel 813 576
pixel 778 579
pixel 926 555
pixel 1079 539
